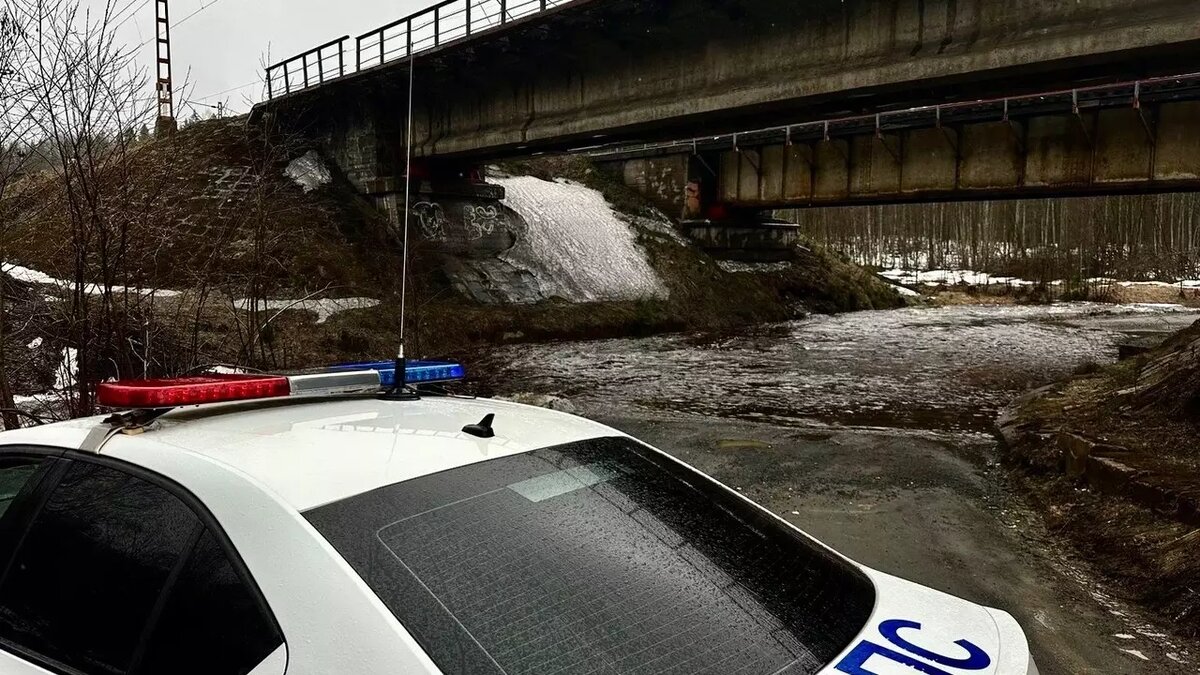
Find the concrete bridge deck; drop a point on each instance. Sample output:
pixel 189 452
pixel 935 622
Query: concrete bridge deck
pixel 598 71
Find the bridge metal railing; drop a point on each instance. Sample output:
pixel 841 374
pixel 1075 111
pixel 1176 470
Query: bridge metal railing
pixel 436 26
pixel 312 68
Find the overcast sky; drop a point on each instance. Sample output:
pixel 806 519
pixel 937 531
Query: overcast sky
pixel 221 47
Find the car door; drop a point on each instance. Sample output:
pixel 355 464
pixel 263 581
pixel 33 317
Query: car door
pixel 107 569
pixel 19 477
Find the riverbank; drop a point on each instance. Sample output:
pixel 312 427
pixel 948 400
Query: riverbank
pixel 1129 434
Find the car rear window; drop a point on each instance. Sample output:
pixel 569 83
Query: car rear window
pixel 596 557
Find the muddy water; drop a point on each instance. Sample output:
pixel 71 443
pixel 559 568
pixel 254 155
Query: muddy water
pixel 944 369
pixel 871 431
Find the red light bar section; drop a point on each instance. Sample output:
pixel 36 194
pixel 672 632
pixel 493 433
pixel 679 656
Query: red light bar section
pixel 191 391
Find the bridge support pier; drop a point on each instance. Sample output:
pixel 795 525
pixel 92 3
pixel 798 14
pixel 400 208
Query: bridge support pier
pixel 367 144
pixel 687 187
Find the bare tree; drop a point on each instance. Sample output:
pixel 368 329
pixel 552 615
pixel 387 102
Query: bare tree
pixel 83 92
pixel 15 127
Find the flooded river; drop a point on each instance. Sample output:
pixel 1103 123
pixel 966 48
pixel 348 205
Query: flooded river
pixel 943 369
pixel 872 431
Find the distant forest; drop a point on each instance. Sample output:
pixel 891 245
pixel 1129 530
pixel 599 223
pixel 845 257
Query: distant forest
pixel 1137 237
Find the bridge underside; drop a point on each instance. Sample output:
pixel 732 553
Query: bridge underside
pixel 1153 148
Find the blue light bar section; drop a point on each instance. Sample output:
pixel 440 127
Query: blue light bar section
pixel 417 372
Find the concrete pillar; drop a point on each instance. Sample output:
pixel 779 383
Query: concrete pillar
pixel 750 164
pixel 991 156
pixel 1059 150
pixel 1177 156
pixel 831 181
pixel 1123 149
pixel 773 168
pixel 798 177
pixel 874 167
pixel 728 182
pixel 930 160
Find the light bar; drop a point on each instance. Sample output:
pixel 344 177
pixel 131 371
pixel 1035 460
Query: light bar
pixel 416 372
pixel 354 378
pixel 191 391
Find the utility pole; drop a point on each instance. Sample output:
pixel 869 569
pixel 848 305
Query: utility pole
pixel 166 102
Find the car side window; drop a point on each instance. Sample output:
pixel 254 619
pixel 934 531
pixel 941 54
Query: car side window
pixel 89 573
pixel 19 480
pixel 113 573
pixel 211 624
pixel 14 475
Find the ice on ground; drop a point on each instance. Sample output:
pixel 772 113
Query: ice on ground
pixel 309 171
pixel 324 308
pixel 1172 306
pixel 574 246
pixel 32 276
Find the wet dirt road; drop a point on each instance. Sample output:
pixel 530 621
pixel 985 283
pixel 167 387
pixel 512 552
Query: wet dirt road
pixel 872 431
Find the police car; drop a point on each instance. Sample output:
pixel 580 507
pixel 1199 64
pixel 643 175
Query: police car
pixel 308 525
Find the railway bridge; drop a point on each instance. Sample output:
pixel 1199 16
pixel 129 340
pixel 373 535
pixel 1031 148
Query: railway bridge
pixel 778 103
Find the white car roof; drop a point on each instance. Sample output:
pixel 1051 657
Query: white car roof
pixel 311 453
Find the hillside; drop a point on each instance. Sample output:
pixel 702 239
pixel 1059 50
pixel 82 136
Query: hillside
pixel 211 201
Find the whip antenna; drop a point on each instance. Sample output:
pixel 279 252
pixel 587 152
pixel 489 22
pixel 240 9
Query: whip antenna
pixel 400 390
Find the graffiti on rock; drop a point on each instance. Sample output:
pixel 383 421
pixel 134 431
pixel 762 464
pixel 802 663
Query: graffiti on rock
pixel 431 219
pixel 482 220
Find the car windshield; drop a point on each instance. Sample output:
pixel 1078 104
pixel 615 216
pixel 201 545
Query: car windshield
pixel 601 556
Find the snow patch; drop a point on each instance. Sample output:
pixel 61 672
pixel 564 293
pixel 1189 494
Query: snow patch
pixel 324 308
pixel 1182 284
pixel 27 275
pixel 68 369
pixel 37 343
pixel 575 246
pixel 954 277
pixel 32 276
pixel 309 171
